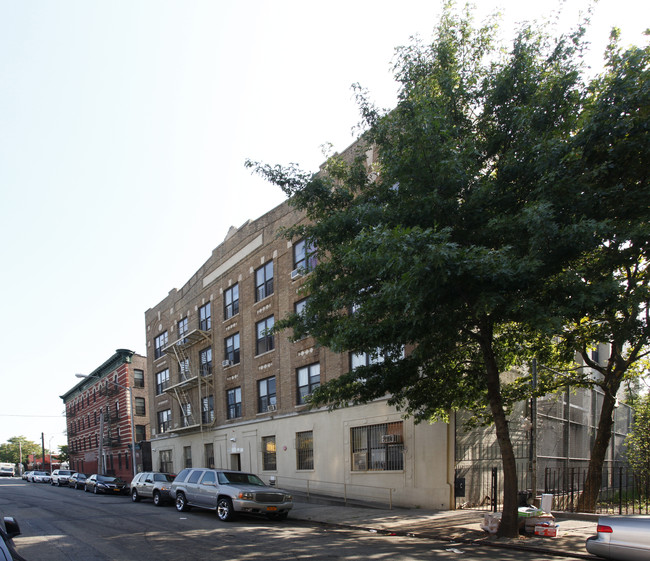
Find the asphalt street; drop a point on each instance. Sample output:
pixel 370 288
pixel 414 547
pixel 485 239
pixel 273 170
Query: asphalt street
pixel 65 524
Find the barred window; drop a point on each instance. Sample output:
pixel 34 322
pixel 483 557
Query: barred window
pixel 305 450
pixel 166 464
pixel 268 453
pixel 377 447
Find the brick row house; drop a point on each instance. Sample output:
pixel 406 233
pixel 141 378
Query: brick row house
pixel 224 392
pixel 99 416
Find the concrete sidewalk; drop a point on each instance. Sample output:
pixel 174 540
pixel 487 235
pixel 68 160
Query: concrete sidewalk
pixel 451 525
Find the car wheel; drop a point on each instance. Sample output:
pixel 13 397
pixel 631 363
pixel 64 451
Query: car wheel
pixel 134 496
pixel 225 510
pixel 95 489
pixel 86 489
pixel 157 499
pixel 181 503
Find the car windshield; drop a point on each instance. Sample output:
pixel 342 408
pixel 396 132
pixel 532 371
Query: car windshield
pixel 108 479
pixel 163 477
pixel 40 473
pixel 226 477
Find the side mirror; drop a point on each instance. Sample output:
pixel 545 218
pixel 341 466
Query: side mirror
pixel 12 527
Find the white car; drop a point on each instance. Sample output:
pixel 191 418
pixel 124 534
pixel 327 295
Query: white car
pixel 41 477
pixel 624 538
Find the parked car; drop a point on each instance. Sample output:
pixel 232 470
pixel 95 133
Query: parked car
pixel 61 476
pixel 27 475
pixel 105 484
pixel 229 492
pixel 7 469
pixel 11 530
pixel 77 480
pixel 152 485
pixel 621 537
pixel 40 477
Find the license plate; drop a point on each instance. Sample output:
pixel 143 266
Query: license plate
pixel 272 508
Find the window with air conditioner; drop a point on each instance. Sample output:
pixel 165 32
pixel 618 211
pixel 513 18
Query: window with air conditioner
pixel 377 447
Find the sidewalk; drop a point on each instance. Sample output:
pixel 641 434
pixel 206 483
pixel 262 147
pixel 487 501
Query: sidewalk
pixel 461 526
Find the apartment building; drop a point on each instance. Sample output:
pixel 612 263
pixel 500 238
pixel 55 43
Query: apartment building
pixel 99 416
pixel 225 392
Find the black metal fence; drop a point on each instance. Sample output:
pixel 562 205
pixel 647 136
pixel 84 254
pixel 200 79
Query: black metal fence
pixel 622 491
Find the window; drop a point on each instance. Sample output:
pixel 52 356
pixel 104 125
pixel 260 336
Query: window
pixel 205 318
pixel 205 360
pixel 264 281
pixel 305 450
pixel 232 349
pixel 184 369
pixel 208 453
pixel 186 415
pixel 268 453
pixel 304 256
pixel 266 395
pixel 139 406
pixel 166 465
pixel 187 456
pixel 377 447
pixel 183 330
pixel 299 307
pixel 162 381
pixel 207 409
pixel 264 341
pixel 138 380
pixel 364 359
pixel 140 433
pixel 164 420
pixel 308 381
pixel 160 343
pixel 231 302
pixel 234 403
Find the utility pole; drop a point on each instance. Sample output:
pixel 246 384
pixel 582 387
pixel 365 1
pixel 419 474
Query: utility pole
pixel 43 449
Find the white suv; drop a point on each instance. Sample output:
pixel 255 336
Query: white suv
pixel 60 476
pixel 229 492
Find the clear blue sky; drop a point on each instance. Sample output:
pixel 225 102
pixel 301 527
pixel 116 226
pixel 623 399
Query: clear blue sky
pixel 124 126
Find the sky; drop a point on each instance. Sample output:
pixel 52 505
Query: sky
pixel 124 128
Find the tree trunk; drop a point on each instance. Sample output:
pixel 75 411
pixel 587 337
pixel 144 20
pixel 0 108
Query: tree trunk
pixel 509 525
pixel 593 481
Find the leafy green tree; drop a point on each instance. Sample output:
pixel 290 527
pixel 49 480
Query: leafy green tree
pixel 10 450
pixel 607 290
pixel 63 454
pixel 637 442
pixel 444 245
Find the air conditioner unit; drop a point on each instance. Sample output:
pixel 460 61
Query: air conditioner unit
pixel 391 438
pixel 295 274
pixel 272 408
pixel 226 363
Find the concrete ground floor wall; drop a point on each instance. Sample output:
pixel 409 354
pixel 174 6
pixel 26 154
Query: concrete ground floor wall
pixel 366 452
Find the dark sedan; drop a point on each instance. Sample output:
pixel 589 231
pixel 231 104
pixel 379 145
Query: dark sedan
pixel 77 480
pixel 107 484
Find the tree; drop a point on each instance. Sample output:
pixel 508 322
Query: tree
pixel 63 455
pixel 10 451
pixel 637 442
pixel 611 284
pixel 445 243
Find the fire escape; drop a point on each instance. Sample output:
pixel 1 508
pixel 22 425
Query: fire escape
pixel 193 381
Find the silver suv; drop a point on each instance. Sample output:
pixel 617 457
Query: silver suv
pixel 229 492
pixel 152 485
